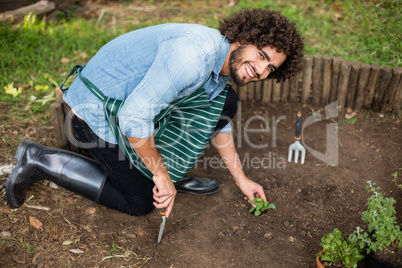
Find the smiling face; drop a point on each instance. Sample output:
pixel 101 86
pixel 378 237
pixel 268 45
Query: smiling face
pixel 249 63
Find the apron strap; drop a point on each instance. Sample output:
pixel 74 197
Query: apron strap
pixel 89 84
pixel 76 67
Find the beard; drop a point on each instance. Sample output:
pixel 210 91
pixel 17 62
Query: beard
pixel 235 60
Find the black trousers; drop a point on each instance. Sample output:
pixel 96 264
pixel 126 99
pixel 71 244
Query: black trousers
pixel 126 189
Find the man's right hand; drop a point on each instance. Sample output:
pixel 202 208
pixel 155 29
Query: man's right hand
pixel 164 193
pixel 164 190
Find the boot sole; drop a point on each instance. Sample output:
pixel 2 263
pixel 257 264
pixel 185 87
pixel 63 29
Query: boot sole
pixel 212 192
pixel 14 174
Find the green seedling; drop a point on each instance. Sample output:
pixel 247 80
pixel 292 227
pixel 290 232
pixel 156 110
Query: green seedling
pixel 340 252
pixel 395 179
pixel 368 114
pixel 348 121
pixel 260 206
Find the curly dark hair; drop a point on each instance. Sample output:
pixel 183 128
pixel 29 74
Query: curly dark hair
pixel 263 27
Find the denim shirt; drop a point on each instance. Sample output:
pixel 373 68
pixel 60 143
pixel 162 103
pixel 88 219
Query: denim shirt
pixel 149 68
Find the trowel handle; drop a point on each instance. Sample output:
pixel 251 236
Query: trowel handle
pixel 298 125
pixel 163 211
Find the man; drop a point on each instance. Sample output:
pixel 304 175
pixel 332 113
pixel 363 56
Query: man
pixel 169 83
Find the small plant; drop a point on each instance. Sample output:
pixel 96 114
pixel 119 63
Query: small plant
pixel 113 249
pixel 395 180
pixel 260 206
pixel 339 252
pixel 383 230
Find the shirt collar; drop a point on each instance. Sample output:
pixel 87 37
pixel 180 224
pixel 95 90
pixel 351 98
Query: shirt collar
pixel 223 52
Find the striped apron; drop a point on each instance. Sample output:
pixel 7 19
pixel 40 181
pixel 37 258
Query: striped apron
pixel 182 130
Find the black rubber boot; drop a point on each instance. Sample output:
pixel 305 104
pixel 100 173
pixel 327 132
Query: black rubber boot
pixel 197 186
pixel 72 171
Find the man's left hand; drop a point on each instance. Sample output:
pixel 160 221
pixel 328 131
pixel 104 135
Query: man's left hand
pixel 251 189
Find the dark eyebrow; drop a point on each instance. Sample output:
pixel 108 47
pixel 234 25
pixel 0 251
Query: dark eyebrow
pixel 266 56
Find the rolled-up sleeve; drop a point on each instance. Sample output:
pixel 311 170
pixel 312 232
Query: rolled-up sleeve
pixel 178 66
pixel 226 129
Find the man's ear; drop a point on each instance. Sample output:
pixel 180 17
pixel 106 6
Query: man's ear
pixel 234 45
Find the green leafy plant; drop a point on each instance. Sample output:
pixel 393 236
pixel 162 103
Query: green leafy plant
pixel 260 206
pixel 395 180
pixel 383 230
pixel 339 252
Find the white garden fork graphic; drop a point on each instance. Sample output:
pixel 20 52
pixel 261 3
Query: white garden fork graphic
pixel 296 146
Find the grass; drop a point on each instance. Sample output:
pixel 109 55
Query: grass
pixel 37 55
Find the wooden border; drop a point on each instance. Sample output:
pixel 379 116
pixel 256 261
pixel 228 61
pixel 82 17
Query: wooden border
pixel 317 78
pixel 325 79
pixel 307 77
pixel 372 82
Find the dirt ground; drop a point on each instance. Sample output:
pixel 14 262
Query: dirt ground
pixel 218 231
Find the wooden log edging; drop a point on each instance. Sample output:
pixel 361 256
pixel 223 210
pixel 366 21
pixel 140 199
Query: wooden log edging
pixel 382 85
pixel 372 82
pixel 58 122
pixel 362 85
pixel 266 91
pixel 306 78
pixel 336 65
pixel 285 91
pixel 343 83
pixel 257 90
pixel 325 79
pixel 317 78
pixel 353 80
pixel 390 93
pixel 276 91
pixel 62 125
pixel 294 87
pixel 396 103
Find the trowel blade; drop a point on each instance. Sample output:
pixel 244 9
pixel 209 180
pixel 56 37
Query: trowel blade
pixel 161 229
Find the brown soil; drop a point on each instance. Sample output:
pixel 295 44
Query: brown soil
pixel 217 231
pixel 390 255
